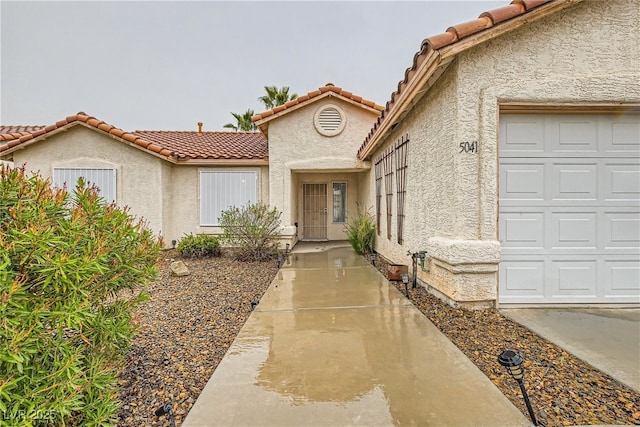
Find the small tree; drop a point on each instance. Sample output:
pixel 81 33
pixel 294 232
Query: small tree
pixel 243 122
pixel 361 232
pixel 64 322
pixel 276 96
pixel 252 230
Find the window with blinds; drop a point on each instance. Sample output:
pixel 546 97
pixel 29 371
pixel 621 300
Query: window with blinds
pixel 222 190
pixel 104 179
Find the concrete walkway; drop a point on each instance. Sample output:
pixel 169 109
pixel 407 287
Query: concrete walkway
pixel 606 338
pixel 332 344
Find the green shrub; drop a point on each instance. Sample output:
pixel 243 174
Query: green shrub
pixel 252 230
pixel 64 322
pixel 202 245
pixel 361 232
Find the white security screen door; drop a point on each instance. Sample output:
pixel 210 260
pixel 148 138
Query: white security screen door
pixel 314 207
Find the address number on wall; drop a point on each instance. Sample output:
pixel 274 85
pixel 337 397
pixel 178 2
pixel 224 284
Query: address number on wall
pixel 469 147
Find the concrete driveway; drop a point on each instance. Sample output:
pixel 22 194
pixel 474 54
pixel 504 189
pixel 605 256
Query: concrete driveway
pixel 606 338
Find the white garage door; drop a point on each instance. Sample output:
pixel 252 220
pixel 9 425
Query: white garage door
pixel 569 208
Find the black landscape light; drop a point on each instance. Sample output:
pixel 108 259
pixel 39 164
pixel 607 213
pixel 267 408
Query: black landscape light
pixel 372 258
pixel 279 260
pixel 513 362
pixel 167 410
pixel 405 280
pixel 286 248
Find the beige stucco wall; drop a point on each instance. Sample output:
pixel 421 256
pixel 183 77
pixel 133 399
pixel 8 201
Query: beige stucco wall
pixel 586 54
pixel 138 174
pixel 185 187
pixel 295 147
pixel 164 194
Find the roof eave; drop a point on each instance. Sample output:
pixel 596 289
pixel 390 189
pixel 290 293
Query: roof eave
pixel 225 162
pixel 438 59
pixel 66 127
pixel 262 124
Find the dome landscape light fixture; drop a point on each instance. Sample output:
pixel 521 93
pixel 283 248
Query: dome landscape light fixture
pixel 513 362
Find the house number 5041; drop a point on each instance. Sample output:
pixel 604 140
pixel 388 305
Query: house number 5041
pixel 469 147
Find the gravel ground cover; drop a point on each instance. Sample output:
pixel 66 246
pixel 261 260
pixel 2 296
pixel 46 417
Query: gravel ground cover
pixel 184 331
pixel 564 390
pixel 189 323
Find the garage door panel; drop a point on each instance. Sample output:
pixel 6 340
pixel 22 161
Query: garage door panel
pixel 621 134
pixel 576 230
pixel 524 134
pixel 574 181
pixel 622 230
pixel 622 277
pixel 523 278
pixel 572 134
pixel 569 216
pixel 523 230
pixel 575 278
pixel 522 181
pixel 622 181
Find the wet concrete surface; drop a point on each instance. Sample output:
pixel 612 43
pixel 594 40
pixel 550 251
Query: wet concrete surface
pixel 606 338
pixel 331 343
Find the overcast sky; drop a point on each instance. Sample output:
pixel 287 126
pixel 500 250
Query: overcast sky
pixel 167 65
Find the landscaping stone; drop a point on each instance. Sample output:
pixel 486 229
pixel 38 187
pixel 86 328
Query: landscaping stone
pixel 178 268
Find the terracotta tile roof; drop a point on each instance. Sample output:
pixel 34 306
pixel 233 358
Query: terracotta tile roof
pixel 21 129
pixel 452 36
pixel 170 144
pixel 311 96
pixel 209 145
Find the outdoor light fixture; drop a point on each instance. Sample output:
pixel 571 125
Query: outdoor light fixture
pixel 405 280
pixel 513 362
pixel 279 260
pixel 286 248
pixel 372 258
pixel 173 244
pixel 167 410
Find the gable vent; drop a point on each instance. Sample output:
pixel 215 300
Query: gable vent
pixel 329 120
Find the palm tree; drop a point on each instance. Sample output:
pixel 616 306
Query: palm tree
pixel 275 96
pixel 243 122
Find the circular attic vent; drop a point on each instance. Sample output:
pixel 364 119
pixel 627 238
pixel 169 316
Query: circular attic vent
pixel 330 120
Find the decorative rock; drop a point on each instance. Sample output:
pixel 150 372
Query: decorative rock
pixel 178 268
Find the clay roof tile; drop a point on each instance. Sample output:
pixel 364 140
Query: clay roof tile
pixel 471 27
pixel 504 13
pixel 440 40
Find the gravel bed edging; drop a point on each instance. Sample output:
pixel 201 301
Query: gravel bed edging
pixel 563 389
pixel 184 331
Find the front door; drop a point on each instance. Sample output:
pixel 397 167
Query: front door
pixel 314 207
